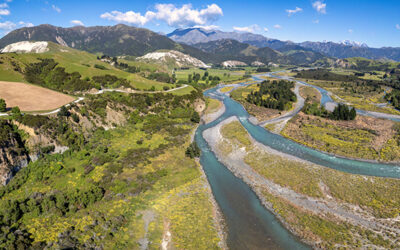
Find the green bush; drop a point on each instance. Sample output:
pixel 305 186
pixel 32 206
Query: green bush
pixel 3 106
pixel 98 66
pixel 193 150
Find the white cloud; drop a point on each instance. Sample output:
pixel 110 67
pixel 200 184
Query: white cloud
pixel 24 24
pixel 207 27
pixel 7 26
pixel 291 12
pixel 316 21
pixel 320 7
pixel 266 29
pixel 3 5
pixel 4 12
pixel 398 26
pixel 56 8
pixel 77 22
pixel 277 26
pixel 251 28
pixel 128 17
pixel 350 31
pixel 175 17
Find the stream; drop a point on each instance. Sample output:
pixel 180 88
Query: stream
pixel 249 224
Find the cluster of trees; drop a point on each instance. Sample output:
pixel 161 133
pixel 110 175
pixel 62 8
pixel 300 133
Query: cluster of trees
pixel 119 65
pixel 263 69
pixel 274 95
pixel 394 98
pixel 110 81
pixel 341 112
pixel 48 74
pixel 207 78
pixel 162 77
pixel 193 150
pixel 8 133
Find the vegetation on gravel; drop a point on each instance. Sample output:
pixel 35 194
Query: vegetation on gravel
pixel 378 196
pixel 365 138
pixel 213 105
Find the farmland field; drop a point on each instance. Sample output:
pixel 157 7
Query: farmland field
pixel 30 97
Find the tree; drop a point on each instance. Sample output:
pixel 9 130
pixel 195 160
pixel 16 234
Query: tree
pixel 63 112
pixel 195 117
pixel 193 150
pixel 3 106
pixel 189 78
pixel 16 112
pixel 353 114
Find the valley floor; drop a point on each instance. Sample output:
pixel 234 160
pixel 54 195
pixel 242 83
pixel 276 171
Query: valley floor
pixel 325 207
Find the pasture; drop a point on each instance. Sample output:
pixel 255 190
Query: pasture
pixel 32 98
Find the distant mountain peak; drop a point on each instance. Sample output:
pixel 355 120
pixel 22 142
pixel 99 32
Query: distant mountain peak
pixel 354 43
pixel 200 35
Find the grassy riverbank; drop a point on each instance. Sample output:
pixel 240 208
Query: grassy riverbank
pixel 213 106
pixel 364 138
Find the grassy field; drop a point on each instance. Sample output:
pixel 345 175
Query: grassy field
pixel 379 196
pixel 73 61
pixel 224 74
pixel 30 97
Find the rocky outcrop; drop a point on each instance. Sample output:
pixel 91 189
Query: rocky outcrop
pixel 13 155
pixel 172 56
pixel 26 47
pixel 232 63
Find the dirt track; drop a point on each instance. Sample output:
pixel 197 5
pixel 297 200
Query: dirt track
pixel 31 98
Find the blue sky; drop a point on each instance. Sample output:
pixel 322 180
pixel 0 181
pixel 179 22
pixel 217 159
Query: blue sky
pixel 375 22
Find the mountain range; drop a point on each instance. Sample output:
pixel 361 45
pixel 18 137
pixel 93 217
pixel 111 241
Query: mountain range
pixel 209 46
pixel 343 49
pixel 199 35
pixel 121 40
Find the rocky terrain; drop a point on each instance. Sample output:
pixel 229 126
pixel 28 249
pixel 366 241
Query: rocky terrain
pixel 13 155
pixel 26 47
pixel 230 64
pixel 173 57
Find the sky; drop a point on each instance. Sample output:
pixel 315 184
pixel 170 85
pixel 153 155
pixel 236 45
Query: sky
pixel 374 22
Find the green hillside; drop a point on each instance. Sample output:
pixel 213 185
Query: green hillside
pixel 12 66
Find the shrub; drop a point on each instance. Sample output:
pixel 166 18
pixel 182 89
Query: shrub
pixel 193 150
pixel 3 106
pixel 98 66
